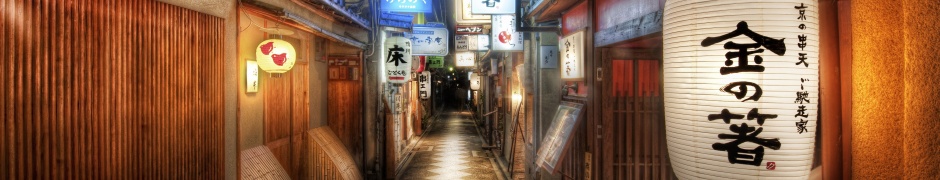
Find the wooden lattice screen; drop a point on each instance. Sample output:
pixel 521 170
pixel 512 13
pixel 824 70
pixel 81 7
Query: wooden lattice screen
pixel 634 129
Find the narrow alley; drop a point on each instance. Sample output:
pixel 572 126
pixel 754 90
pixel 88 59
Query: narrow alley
pixel 469 89
pixel 451 149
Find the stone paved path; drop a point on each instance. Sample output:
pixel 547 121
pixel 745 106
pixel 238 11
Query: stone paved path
pixel 451 149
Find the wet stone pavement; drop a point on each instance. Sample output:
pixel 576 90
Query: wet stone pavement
pixel 451 149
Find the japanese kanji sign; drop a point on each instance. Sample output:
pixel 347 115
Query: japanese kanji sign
pixel 397 58
pixel 741 88
pixel 571 49
pixel 504 35
pixel 429 41
pixel 465 59
pixel 424 83
pixel 435 61
pixel 548 57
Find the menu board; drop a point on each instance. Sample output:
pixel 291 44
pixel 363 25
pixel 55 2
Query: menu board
pixel 556 138
pixel 344 68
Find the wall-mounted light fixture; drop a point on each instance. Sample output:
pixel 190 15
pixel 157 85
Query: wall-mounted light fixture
pixel 251 76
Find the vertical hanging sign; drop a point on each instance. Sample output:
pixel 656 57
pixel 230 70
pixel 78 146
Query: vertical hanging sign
pixel 424 89
pixel 571 50
pixel 251 76
pixel 504 35
pixel 397 59
pixel 741 88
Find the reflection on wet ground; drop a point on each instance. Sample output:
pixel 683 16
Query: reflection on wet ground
pixel 451 149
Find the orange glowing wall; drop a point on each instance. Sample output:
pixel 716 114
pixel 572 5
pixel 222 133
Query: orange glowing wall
pixel 896 95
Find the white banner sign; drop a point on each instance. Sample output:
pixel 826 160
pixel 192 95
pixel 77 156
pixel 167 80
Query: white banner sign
pixel 428 41
pixel 465 59
pixel 504 35
pixel 251 76
pixel 571 50
pixel 482 43
pixel 397 59
pixel 424 89
pixel 548 57
pixel 741 88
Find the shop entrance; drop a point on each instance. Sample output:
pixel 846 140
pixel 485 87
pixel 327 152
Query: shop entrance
pixel 633 138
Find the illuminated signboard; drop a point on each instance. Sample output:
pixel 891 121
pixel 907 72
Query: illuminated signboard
pixel 436 61
pixel 397 59
pixel 251 76
pixel 504 35
pixel 465 59
pixel 429 41
pixel 469 29
pixel 424 89
pixel 465 16
pixel 480 42
pixel 493 7
pixel 741 88
pixel 571 49
pixel 417 6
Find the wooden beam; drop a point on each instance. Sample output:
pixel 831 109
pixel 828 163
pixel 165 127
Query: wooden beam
pixel 647 24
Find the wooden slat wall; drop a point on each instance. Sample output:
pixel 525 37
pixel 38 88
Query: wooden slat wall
pixel 109 89
pixel 344 102
pixel 286 115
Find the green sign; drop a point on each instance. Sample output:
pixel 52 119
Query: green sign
pixel 436 61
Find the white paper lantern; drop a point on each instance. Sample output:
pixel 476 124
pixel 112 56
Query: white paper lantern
pixel 711 87
pixel 475 82
pixel 275 56
pixel 397 59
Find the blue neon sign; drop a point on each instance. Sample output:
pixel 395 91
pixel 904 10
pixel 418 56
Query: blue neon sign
pixel 419 6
